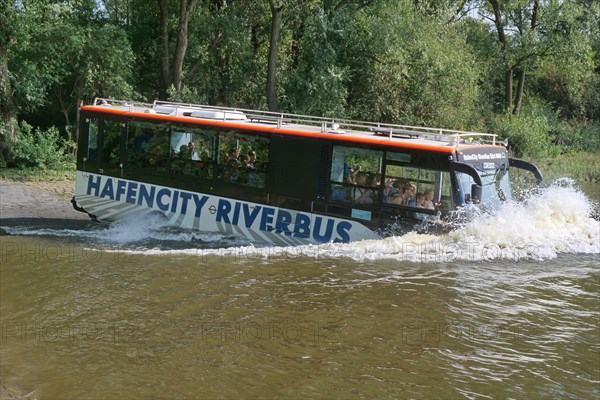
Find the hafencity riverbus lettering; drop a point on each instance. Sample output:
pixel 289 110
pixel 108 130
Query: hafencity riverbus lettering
pixel 281 178
pixel 219 210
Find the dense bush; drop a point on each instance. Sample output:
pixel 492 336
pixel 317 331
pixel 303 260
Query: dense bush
pixel 578 136
pixel 529 132
pixel 45 149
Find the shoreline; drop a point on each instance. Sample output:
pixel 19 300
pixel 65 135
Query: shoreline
pixel 38 199
pixel 44 204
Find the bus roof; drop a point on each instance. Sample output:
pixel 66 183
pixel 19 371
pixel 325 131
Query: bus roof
pixel 387 135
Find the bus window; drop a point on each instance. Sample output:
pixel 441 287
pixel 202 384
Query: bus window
pixel 92 150
pixel 111 149
pixel 355 175
pixel 192 151
pixel 243 159
pixel 146 146
pixel 404 184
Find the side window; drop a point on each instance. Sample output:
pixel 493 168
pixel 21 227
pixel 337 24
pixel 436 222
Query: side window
pixel 92 150
pixel 111 149
pixel 243 159
pixel 407 185
pixel 355 175
pixel 192 151
pixel 147 145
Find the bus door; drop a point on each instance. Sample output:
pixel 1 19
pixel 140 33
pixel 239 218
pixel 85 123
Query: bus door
pixel 88 146
pixel 111 142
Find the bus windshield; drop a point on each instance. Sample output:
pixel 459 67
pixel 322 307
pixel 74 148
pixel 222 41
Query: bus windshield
pixel 495 190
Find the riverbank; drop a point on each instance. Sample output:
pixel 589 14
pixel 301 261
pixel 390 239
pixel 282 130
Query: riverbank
pixel 38 199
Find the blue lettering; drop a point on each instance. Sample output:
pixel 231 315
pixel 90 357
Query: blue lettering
pixel 236 213
pixel 343 229
pixel 284 218
pixel 328 230
pixel 223 209
pixel 200 202
pixel 108 190
pixel 250 217
pixel 266 219
pixel 147 196
pixel 185 197
pixel 121 185
pixel 159 196
pixel 174 202
pixel 93 185
pixel 302 226
pixel 131 192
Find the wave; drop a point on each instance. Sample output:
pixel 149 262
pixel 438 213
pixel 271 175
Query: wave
pixel 550 221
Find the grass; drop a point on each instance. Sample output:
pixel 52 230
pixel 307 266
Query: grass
pixel 582 167
pixel 36 174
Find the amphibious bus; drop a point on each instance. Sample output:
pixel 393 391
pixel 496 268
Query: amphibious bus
pixel 281 178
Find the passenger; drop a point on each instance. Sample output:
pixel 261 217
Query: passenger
pixel 420 203
pixel 354 173
pixel 251 159
pixel 235 156
pixel 225 157
pixel 399 186
pixel 192 151
pixel 361 195
pixel 374 182
pixel 377 179
pixel 409 195
pixel 389 191
pixel 429 204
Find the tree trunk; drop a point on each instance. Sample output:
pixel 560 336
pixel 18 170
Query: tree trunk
pixel 8 133
pixel 165 67
pixel 276 14
pixel 508 88
pixel 185 11
pixel 522 72
pixel 520 86
pixel 508 73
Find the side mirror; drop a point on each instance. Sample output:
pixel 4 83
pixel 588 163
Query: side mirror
pixel 476 192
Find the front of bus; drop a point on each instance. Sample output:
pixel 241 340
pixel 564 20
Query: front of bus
pixel 481 175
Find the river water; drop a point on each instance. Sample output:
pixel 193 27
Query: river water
pixel 506 307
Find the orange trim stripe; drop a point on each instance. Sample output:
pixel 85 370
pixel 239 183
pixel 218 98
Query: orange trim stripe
pixel 381 141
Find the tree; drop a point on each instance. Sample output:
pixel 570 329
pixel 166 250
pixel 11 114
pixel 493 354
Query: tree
pixel 174 75
pixel 411 68
pixel 529 32
pixel 276 16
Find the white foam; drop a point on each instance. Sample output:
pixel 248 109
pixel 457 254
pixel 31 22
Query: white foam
pixel 550 221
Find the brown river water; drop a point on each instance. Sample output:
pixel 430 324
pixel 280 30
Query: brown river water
pixel 505 307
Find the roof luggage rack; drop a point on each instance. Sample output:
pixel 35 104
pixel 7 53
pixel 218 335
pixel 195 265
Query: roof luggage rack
pixel 325 125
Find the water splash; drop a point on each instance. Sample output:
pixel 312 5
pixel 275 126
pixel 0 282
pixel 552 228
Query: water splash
pixel 136 231
pixel 550 221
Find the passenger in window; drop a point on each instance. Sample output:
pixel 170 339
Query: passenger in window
pixel 362 195
pixel 420 203
pixel 400 196
pixel 377 179
pixel 235 155
pixel 251 159
pixel 192 151
pixel 429 203
pixel 389 191
pixel 409 195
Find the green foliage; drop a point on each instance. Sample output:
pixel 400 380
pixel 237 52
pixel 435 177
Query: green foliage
pixel 418 62
pixel 575 136
pixel 37 148
pixel 530 132
pixel 582 167
pixel 413 69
